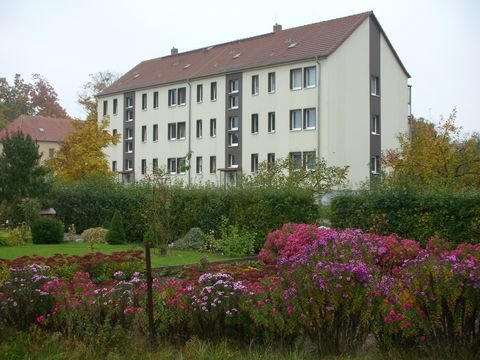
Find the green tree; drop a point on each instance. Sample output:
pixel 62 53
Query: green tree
pixel 21 174
pixel 21 98
pixel 434 157
pixel 319 177
pixel 116 231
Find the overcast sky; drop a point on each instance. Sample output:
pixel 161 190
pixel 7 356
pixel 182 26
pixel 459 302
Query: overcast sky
pixel 65 40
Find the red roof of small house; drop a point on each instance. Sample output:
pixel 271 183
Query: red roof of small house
pixel 40 128
pixel 305 42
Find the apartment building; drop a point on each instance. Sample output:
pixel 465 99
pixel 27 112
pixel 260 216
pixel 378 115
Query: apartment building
pixel 335 90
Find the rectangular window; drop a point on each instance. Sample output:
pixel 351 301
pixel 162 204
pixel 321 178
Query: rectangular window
pixel 172 97
pixel 129 133
pixel 155 165
pixel 144 166
pixel 296 79
pixel 271 122
pixel 375 164
pixel 254 163
pixel 144 133
pixel 128 164
pixel 181 130
pixel 199 165
pixel 270 159
pixel 295 119
pixel 254 123
pixel 233 86
pixel 199 129
pixel 255 85
pixel 233 101
pixel 199 93
pixel 309 119
pixel 271 82
pixel 181 165
pixel 105 108
pixel 155 100
pixel 115 106
pixel 233 139
pixel 213 164
pixel 375 88
pixel 114 132
pixel 232 161
pixel 172 131
pixel 375 125
pixel 51 153
pixel 114 166
pixel 182 96
pixel 155 132
pixel 213 127
pixel 129 146
pixel 172 165
pixel 129 102
pixel 233 122
pixel 213 91
pixel 309 160
pixel 295 160
pixel 310 76
pixel 144 101
pixel 129 115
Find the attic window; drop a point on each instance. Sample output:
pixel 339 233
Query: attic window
pixel 187 66
pixel 136 76
pixel 41 129
pixel 292 45
pixel 209 48
pixel 236 55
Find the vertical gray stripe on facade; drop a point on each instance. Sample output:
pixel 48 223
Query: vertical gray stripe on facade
pixel 128 125
pixel 375 101
pixel 237 150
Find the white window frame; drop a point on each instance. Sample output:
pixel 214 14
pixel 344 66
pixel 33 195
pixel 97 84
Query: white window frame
pixel 254 163
pixel 213 127
pixel 233 101
pixel 181 165
pixel 308 71
pixel 375 86
pixel 213 91
pixel 233 139
pixel 172 165
pixel 308 123
pixel 296 79
pixel 155 99
pixel 296 160
pixel 181 130
pixel 144 101
pixel 213 164
pixel 307 156
pixel 255 85
pixel 128 164
pixel 105 107
pixel 375 126
pixel 271 122
pixel 114 166
pixel 199 165
pixel 144 166
pixel 172 97
pixel 129 116
pixel 155 164
pixel 172 131
pixel 128 134
pixel 129 146
pixel 129 102
pixel 271 83
pixel 254 125
pixel 199 129
pixel 155 132
pixel 375 165
pixel 270 158
pixel 233 86
pixel 232 161
pixel 181 96
pixel 295 122
pixel 233 123
pixel 115 106
pixel 199 93
pixel 144 133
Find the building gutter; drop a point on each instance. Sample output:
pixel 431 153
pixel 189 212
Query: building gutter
pixel 189 152
pixel 319 154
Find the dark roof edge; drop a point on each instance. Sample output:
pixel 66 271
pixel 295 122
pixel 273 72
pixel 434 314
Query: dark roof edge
pixel 390 44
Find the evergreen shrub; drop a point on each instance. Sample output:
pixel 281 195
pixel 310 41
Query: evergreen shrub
pixel 47 231
pixel 116 232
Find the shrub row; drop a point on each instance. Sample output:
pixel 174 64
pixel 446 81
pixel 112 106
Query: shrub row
pixel 452 217
pixel 90 204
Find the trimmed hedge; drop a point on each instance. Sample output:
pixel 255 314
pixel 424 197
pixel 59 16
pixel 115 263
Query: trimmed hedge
pixel 452 217
pixel 90 204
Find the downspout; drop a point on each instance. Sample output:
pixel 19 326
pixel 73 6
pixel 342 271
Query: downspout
pixel 189 154
pixel 319 154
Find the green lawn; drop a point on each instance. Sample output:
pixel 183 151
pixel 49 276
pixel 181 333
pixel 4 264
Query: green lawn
pixel 174 257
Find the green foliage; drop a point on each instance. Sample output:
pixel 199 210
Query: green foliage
pixel 284 173
pixel 25 211
pixel 47 231
pixel 20 235
pixel 193 239
pixel 237 242
pixel 116 232
pixel 21 174
pixel 452 217
pixel 91 203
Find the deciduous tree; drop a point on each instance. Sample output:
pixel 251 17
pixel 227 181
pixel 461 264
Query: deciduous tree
pixel 98 82
pixel 434 156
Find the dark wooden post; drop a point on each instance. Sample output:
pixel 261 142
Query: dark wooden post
pixel 151 324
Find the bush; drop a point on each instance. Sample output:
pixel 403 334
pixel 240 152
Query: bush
pixel 116 231
pixel 21 235
pixel 47 231
pixel 194 239
pixel 96 235
pixel 452 217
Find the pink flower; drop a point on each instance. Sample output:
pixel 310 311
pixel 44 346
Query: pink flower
pixel 40 319
pixel 132 310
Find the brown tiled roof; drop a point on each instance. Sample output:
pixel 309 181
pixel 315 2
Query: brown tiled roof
pixel 40 128
pixel 308 41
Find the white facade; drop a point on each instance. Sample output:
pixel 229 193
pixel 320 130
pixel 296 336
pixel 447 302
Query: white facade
pixel 334 109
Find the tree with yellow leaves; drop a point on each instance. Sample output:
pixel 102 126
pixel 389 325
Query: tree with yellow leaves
pixel 435 157
pixel 82 153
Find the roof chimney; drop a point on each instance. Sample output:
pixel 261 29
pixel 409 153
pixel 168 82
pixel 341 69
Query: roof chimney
pixel 277 28
pixel 174 51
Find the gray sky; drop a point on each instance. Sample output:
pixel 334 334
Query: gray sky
pixel 65 41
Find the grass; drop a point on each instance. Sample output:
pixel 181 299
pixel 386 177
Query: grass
pixel 174 257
